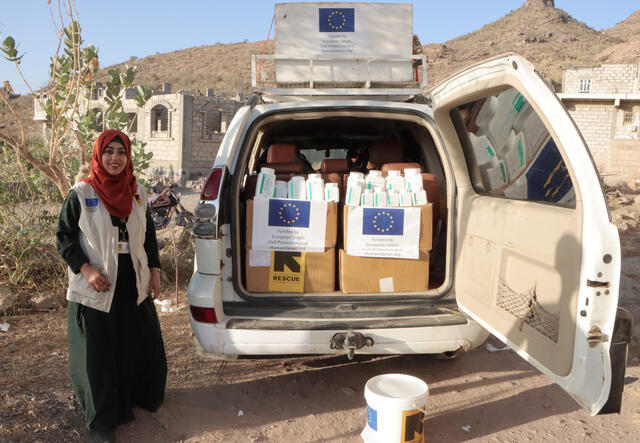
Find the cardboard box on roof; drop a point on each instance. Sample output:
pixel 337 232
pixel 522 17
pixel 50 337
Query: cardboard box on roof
pixel 331 231
pixel 290 271
pixel 426 225
pixel 381 275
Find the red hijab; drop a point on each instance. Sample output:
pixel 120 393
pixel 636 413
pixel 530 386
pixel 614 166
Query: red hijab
pixel 115 191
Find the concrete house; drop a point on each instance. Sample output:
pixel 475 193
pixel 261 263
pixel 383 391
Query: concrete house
pixel 183 130
pixel 604 101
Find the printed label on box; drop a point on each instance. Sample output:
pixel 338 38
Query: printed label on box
pixel 259 258
pixel 383 232
pixel 289 225
pixel 286 271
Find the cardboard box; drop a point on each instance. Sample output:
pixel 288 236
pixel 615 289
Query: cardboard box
pixel 319 271
pixel 426 224
pixel 380 275
pixel 331 231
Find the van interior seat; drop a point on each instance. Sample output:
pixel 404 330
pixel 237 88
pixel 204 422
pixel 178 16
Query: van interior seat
pixel 385 151
pixel 429 183
pixel 281 153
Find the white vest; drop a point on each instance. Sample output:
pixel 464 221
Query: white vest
pixel 99 241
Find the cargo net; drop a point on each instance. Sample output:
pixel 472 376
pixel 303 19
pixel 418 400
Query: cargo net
pixel 527 309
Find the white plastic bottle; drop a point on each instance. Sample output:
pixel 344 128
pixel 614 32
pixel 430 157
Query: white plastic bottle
pixel 395 180
pixel 315 187
pixel 367 197
pixel 393 197
pixel 281 189
pixel 374 179
pixel 405 197
pixel 379 196
pixel 266 185
pixel 297 188
pixel 419 197
pixel 355 185
pixel 331 192
pixel 413 179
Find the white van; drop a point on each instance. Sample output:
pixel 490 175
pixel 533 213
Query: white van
pixel 522 245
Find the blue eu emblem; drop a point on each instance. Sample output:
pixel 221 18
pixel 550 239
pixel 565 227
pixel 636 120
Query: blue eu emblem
pixel 382 221
pixel 337 19
pixel 289 213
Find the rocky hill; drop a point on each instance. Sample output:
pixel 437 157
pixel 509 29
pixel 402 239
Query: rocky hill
pixel 549 37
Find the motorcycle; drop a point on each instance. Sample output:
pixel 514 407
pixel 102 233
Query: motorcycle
pixel 164 204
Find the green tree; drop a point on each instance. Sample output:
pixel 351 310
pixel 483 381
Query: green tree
pixel 71 122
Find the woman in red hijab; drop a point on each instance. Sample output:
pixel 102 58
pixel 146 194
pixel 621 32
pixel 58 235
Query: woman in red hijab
pixel 107 238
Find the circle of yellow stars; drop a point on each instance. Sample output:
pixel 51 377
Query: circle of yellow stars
pixel 283 217
pixel 381 228
pixel 340 17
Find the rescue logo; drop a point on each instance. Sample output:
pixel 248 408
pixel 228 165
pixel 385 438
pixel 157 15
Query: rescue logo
pixel 336 19
pixel 286 271
pixel 292 214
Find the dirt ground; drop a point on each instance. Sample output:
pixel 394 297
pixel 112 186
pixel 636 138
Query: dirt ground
pixel 481 396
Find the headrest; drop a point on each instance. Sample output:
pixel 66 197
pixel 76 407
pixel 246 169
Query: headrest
pixel 282 154
pixel 285 168
pixel 398 166
pixel 334 165
pixel 386 151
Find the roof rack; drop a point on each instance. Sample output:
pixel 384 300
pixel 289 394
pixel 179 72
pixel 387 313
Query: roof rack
pixel 315 76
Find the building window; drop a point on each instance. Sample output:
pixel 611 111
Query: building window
pixel 159 119
pixel 99 123
pixel 627 119
pixel 585 85
pixel 212 123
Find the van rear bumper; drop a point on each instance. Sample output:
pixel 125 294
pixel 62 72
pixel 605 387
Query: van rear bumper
pixel 218 339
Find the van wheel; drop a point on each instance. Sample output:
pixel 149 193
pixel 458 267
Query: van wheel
pixel 449 355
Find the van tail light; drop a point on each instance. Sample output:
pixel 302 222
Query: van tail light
pixel 211 187
pixel 203 315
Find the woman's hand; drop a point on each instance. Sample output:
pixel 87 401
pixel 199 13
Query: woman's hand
pixel 154 283
pixel 95 278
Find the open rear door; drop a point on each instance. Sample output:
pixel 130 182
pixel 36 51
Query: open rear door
pixel 537 258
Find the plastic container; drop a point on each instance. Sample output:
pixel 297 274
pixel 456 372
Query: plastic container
pixel 331 192
pixel 395 408
pixel 297 188
pixel 419 197
pixel 379 197
pixel 405 198
pixel 282 190
pixel 374 179
pixel 315 187
pixel 367 198
pixel 395 180
pixel 413 179
pixel 393 197
pixel 355 185
pixel 266 184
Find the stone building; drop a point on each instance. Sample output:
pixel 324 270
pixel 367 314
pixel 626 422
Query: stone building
pixel 183 130
pixel 604 101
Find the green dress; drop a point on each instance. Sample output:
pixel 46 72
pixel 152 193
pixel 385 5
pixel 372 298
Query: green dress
pixel 116 359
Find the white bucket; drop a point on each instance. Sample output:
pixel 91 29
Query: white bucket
pixel 395 409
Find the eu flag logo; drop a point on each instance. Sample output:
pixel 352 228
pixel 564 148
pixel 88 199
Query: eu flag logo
pixel 337 19
pixel 289 213
pixel 382 221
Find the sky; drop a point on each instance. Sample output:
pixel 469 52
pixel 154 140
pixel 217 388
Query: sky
pixel 125 28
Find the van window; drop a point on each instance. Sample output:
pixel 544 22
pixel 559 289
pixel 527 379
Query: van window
pixel 315 156
pixel 509 151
